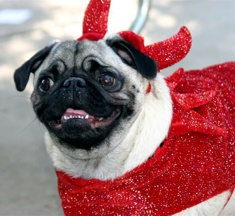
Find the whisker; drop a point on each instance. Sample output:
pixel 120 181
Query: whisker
pixel 17 96
pixel 27 126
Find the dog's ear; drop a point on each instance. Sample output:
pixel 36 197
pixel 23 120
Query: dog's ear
pixel 134 58
pixel 21 75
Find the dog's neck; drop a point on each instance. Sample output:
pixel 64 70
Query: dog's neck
pixel 144 137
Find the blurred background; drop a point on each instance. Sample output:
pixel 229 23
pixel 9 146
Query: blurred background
pixel 28 185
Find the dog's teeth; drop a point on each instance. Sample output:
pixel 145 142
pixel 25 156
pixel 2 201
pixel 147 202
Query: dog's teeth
pixel 76 117
pixel 101 119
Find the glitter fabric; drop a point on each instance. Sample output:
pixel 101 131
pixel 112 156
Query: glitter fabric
pixel 195 163
pixel 96 17
pixel 172 50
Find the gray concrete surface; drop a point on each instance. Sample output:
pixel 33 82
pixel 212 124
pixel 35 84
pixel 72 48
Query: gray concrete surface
pixel 28 186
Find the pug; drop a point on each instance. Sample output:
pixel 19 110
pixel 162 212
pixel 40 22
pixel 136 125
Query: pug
pixel 105 109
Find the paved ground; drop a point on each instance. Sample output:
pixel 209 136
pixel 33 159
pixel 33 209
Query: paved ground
pixel 27 179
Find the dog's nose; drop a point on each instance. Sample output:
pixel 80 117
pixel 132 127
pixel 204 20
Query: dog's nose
pixel 76 81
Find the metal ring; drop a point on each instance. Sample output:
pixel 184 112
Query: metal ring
pixel 142 15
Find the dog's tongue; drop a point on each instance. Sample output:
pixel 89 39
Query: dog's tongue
pixel 72 113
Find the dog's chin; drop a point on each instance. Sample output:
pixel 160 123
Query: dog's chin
pixel 78 129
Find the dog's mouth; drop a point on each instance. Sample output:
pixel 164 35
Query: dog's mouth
pixel 81 117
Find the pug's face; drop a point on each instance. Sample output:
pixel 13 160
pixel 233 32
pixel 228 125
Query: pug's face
pixel 85 91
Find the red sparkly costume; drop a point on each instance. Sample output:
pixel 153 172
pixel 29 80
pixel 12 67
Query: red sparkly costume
pixel 195 162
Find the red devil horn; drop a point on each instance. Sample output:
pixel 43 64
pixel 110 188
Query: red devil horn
pixel 172 50
pixel 96 17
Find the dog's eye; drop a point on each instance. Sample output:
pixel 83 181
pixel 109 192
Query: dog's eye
pixel 45 84
pixel 106 80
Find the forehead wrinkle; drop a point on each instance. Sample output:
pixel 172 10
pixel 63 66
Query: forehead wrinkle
pixel 65 51
pixel 97 49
